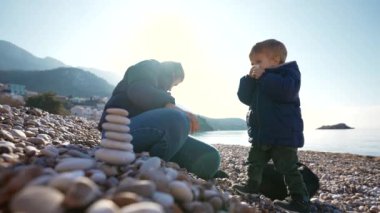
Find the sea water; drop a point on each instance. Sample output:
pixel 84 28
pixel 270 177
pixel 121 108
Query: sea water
pixel 355 141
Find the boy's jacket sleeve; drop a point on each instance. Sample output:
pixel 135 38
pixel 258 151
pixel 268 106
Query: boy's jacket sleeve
pixel 281 88
pixel 143 94
pixel 247 87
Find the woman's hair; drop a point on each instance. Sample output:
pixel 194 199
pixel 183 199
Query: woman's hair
pixel 161 75
pixel 173 69
pixel 170 72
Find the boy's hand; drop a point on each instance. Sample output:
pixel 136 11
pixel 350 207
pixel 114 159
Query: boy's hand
pixel 256 72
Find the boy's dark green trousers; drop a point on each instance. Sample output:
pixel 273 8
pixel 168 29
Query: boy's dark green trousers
pixel 284 159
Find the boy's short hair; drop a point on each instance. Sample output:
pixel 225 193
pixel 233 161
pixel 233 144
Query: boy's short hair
pixel 274 46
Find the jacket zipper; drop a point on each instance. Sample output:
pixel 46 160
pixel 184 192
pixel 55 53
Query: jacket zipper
pixel 257 115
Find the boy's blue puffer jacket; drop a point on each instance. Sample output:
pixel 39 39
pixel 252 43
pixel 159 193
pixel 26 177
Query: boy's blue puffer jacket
pixel 274 116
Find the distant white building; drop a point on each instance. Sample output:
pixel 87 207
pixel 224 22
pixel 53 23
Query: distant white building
pixel 13 89
pixel 30 93
pixel 16 89
pixel 103 99
pixel 100 106
pixel 87 112
pixel 77 100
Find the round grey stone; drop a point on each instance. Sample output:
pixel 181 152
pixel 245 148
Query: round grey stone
pixel 37 199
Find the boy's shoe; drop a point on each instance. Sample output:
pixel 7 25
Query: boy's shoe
pixel 245 190
pixel 221 174
pixel 295 204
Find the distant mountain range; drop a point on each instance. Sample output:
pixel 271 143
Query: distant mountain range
pixel 63 81
pixel 216 124
pixel 13 57
pixel 110 77
pixel 50 75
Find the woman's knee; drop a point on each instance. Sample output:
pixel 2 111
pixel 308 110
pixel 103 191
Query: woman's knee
pixel 176 128
pixel 177 120
pixel 214 157
pixel 207 164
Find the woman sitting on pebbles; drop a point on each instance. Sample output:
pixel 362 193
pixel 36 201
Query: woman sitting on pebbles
pixel 158 126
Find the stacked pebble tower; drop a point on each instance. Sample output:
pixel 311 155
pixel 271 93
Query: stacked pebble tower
pixel 116 144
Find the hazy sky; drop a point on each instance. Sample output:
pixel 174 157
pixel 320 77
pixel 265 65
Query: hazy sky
pixel 336 44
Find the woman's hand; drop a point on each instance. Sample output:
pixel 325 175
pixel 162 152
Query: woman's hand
pixel 171 106
pixel 194 124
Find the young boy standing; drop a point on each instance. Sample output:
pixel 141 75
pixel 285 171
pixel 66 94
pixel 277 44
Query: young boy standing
pixel 275 125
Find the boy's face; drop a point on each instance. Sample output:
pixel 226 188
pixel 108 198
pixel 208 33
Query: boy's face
pixel 264 59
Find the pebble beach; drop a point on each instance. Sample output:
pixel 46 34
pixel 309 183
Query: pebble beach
pixel 349 183
pixel 48 164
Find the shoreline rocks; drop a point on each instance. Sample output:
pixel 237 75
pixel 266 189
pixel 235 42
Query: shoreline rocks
pixel 37 199
pixel 62 171
pixel 348 182
pixel 70 164
pixel 181 191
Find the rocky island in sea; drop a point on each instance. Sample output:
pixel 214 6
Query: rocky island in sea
pixel 48 164
pixel 336 126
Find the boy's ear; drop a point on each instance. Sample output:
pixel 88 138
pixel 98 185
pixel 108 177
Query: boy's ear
pixel 277 59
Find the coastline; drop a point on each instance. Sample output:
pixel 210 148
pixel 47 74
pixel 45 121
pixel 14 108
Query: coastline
pixel 359 141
